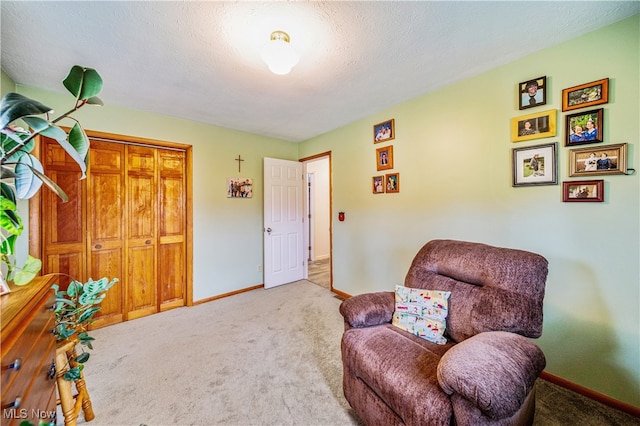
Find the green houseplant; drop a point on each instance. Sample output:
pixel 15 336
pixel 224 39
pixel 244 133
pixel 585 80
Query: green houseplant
pixel 74 309
pixel 22 174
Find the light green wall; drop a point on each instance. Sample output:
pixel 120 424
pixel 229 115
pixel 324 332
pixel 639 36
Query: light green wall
pixel 453 152
pixel 6 84
pixel 227 233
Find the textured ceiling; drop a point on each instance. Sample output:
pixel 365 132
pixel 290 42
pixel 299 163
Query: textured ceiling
pixel 200 60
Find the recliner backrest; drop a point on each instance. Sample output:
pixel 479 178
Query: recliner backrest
pixel 492 288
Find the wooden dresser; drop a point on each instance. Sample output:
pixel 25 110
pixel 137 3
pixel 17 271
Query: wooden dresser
pixel 28 353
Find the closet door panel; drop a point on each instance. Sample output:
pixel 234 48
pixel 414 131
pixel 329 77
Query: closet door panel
pixel 171 275
pixel 63 233
pixel 141 289
pixel 105 208
pixel 172 228
pixel 141 232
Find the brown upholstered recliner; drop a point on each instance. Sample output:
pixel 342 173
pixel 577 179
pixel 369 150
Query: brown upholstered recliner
pixel 484 374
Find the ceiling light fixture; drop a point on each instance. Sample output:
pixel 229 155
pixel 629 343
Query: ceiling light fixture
pixel 278 54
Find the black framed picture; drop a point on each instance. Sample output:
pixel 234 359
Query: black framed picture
pixel 535 165
pixel 584 127
pixel 532 93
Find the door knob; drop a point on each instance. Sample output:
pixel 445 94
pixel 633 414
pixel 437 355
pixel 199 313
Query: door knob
pixel 268 230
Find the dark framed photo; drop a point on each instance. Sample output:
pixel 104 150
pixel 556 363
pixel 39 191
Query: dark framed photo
pixel 600 160
pixel 584 127
pixel 532 93
pixel 378 185
pixel 393 182
pixel 583 191
pixel 584 95
pixel 384 158
pixel 534 126
pixel 384 131
pixel 535 165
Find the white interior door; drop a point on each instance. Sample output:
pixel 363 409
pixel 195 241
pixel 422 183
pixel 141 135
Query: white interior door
pixel 283 222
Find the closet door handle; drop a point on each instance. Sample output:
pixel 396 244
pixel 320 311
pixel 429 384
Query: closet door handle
pixel 98 246
pixel 148 242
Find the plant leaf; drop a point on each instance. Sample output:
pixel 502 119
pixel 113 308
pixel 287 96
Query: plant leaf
pixel 74 288
pixel 28 272
pixel 10 140
pixel 79 141
pixel 88 314
pixel 74 155
pixel 82 358
pixel 74 373
pixel 95 101
pixel 83 83
pixel 15 105
pixel 7 246
pixel 7 192
pixel 27 183
pixel 9 220
pixel 44 127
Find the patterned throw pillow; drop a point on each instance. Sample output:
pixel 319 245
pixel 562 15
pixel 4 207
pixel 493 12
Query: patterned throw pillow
pixel 422 312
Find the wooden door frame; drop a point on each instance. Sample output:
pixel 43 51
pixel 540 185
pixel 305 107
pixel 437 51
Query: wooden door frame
pixel 315 157
pixel 35 212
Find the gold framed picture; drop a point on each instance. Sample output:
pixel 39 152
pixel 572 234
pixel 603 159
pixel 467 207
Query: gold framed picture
pixel 534 126
pixel 384 158
pixel 384 132
pixel 600 160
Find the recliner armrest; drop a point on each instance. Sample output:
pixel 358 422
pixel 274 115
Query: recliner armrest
pixel 493 370
pixel 368 309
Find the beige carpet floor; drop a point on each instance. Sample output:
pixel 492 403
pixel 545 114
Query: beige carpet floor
pixel 264 357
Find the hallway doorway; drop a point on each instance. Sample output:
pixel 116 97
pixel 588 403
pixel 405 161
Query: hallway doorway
pixel 318 213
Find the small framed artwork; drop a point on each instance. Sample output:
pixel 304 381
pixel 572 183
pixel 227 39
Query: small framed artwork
pixel 4 287
pixel 239 188
pixel 584 127
pixel 384 131
pixel 584 95
pixel 532 93
pixel 384 158
pixel 534 126
pixel 601 160
pixel 583 191
pixel 393 182
pixel 535 165
pixel 378 185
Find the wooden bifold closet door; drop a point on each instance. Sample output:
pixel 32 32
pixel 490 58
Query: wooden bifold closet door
pixel 127 220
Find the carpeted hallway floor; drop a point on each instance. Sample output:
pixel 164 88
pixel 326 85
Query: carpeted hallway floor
pixel 263 357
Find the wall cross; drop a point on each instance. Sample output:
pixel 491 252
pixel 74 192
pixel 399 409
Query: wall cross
pixel 239 159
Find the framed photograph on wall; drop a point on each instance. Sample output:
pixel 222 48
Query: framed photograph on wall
pixel 378 185
pixel 534 126
pixel 585 127
pixel 384 158
pixel 583 191
pixel 393 182
pixel 535 165
pixel 600 160
pixel 384 131
pixel 584 95
pixel 239 188
pixel 532 93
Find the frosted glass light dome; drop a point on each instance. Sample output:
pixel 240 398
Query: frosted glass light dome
pixel 278 54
